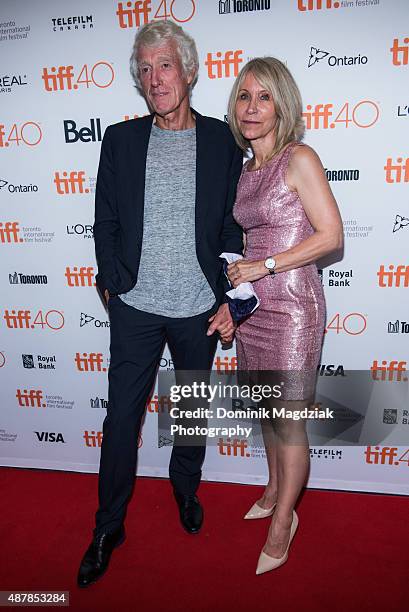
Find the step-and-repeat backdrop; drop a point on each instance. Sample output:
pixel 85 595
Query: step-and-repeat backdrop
pixel 64 78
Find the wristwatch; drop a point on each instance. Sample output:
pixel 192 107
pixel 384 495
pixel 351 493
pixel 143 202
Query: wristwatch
pixel 270 264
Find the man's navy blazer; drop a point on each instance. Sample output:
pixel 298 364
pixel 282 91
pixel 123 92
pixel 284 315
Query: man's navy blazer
pixel 119 201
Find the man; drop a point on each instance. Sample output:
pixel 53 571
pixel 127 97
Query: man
pixel 163 214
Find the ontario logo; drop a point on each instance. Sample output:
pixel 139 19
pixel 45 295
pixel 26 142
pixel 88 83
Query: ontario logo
pixel 319 55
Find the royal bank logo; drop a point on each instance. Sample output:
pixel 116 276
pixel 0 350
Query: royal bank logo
pixel 28 361
pixel 400 222
pixel 243 6
pixel 319 55
pixel 390 416
pixel 44 362
pixel 70 24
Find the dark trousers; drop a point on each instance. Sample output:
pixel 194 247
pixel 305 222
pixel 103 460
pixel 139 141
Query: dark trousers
pixel 137 342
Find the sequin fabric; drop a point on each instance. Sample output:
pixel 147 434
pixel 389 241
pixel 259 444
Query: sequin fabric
pixel 285 332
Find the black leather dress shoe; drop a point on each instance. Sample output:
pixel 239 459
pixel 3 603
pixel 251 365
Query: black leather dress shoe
pixel 96 560
pixel 191 512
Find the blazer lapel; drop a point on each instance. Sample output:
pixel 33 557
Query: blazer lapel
pixel 138 150
pixel 202 177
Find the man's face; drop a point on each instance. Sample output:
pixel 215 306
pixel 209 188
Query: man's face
pixel 163 81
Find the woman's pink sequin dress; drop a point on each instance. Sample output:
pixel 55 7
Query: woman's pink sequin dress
pixel 286 330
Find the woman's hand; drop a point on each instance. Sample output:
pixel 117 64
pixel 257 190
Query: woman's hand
pixel 243 271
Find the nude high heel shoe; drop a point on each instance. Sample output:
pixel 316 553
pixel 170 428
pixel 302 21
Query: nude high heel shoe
pixel 257 512
pixel 267 563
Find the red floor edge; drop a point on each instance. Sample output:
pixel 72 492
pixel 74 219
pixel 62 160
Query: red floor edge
pixel 351 551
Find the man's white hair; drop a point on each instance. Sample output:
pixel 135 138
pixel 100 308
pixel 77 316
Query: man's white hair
pixel 155 34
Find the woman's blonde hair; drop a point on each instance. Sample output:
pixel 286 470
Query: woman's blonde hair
pixel 275 78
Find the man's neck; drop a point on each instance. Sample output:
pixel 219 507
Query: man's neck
pixel 180 119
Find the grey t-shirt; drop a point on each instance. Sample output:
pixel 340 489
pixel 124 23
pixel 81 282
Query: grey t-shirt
pixel 170 280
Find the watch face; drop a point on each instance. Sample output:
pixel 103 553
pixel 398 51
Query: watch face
pixel 270 263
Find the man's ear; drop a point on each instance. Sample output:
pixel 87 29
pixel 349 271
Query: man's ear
pixel 191 77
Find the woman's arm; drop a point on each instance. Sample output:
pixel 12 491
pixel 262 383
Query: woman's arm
pixel 305 175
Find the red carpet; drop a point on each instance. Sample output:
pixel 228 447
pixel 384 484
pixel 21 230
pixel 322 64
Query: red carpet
pixel 351 550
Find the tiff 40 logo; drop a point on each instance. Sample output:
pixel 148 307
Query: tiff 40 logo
pixel 64 78
pixel 28 133
pixel 352 324
pixel 364 114
pixel 136 14
pixel 25 319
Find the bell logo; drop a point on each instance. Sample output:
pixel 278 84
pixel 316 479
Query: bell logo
pixel 393 277
pixel 93 439
pixel 231 58
pixel 400 52
pixel 130 17
pixel 92 362
pixel 10 232
pixel 85 134
pixel 235 447
pixel 72 183
pixel 316 5
pixel 396 173
pixel 225 364
pixel 83 277
pixel 391 371
pixel 32 398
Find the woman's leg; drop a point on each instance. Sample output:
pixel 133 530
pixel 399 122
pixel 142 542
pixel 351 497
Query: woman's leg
pixel 291 464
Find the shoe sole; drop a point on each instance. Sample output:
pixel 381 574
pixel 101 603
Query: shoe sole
pixel 85 586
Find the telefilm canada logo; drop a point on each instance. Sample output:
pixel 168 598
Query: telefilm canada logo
pixel 319 56
pixel 243 6
pixel 72 24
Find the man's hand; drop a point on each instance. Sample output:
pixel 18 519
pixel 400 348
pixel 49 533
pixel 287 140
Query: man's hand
pixel 106 294
pixel 223 323
pixel 243 271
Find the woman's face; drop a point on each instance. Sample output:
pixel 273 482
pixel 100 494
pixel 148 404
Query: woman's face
pixel 255 112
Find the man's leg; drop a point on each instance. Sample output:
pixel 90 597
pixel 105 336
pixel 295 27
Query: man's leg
pixel 137 340
pixel 191 349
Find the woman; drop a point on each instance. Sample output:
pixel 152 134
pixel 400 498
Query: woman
pixel 290 219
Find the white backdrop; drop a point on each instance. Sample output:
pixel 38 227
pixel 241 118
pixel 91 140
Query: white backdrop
pixel 65 78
